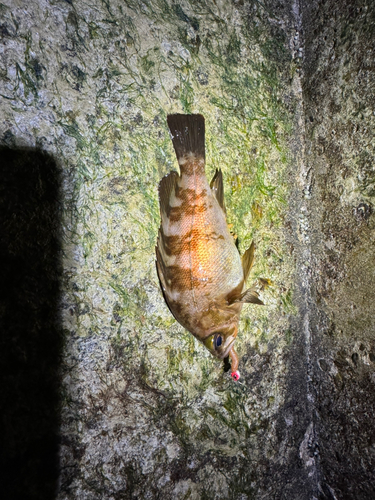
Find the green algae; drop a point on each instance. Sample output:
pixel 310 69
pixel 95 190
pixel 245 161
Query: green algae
pixel 247 129
pixel 123 68
pixel 145 402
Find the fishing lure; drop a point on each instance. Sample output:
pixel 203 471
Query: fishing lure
pixel 201 273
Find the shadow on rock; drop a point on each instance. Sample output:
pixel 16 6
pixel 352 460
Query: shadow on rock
pixel 31 334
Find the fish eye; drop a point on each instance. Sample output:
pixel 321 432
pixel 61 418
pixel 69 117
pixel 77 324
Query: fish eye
pixel 218 340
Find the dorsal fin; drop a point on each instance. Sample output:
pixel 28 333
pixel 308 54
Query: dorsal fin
pixel 163 274
pixel 161 270
pixel 248 260
pixel 187 135
pixel 166 189
pixel 217 188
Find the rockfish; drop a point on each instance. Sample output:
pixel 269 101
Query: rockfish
pixel 201 273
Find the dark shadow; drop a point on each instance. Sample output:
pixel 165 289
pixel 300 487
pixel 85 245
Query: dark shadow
pixel 30 330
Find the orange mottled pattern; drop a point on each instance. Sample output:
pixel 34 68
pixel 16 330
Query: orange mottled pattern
pixel 198 263
pixel 201 273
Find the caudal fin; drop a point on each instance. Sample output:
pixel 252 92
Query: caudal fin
pixel 187 135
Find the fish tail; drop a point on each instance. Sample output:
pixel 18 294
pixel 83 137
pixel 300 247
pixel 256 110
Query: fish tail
pixel 188 138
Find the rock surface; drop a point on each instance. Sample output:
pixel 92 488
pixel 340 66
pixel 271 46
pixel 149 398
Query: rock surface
pixel 338 96
pixel 286 89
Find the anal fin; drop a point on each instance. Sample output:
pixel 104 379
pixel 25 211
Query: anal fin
pixel 217 188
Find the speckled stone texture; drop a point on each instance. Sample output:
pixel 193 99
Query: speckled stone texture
pixel 338 96
pixel 136 407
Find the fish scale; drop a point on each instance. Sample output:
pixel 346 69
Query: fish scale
pixel 203 244
pixel 199 267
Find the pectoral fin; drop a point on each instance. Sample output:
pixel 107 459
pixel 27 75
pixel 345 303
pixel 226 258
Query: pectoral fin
pixel 248 260
pixel 249 296
pixel 217 188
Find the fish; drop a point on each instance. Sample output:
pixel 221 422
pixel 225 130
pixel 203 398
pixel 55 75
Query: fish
pixel 201 273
